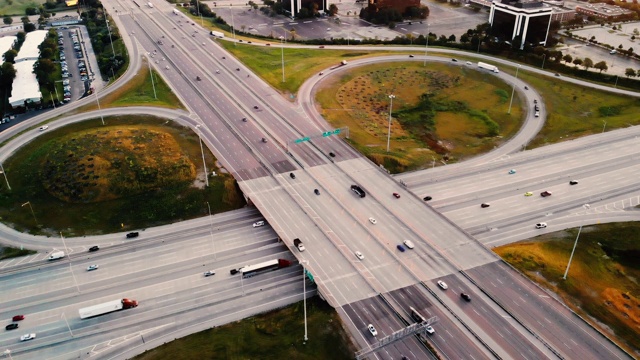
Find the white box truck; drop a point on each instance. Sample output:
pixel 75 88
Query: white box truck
pixel 56 255
pixel 217 34
pixel 488 67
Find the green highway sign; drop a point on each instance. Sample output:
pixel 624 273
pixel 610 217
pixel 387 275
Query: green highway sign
pixel 298 141
pixel 308 275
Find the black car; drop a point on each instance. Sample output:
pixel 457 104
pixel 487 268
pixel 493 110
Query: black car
pixel 573 182
pixel 233 271
pixel 94 248
pixel 132 235
pixel 465 296
pixel 316 191
pixel 485 205
pixel 427 198
pixel 293 176
pixel 332 154
pixel 11 326
pixel 454 60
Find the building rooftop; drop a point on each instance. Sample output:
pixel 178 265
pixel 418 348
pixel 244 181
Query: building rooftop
pixel 6 42
pixel 25 85
pixel 29 49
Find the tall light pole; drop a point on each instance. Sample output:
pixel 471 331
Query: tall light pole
pixel 304 295
pixel 5 176
pixel 479 42
pixel 53 101
pixel 513 90
pixel 69 327
pixel 204 164
pixel 544 57
pixel 616 85
pixel 8 352
pixel 572 251
pixel 199 13
pixel 233 28
pixel 391 97
pixel 604 125
pixel 282 52
pixel 152 82
pixel 109 30
pixel 99 110
pixel 70 269
pixel 426 46
pixel 211 231
pixel 32 213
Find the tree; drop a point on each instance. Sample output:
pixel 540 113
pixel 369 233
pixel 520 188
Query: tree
pixel 10 55
pixel 464 38
pixel 602 65
pixel 620 47
pixel 629 72
pixel 630 51
pixel 31 11
pixel 8 20
pixel 7 73
pixel 452 38
pixel 567 58
pixel 577 62
pixel 587 63
pixel 333 9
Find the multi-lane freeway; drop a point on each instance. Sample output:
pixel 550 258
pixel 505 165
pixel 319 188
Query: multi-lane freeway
pixel 508 317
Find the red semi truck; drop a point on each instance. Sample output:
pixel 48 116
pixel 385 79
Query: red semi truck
pixel 107 307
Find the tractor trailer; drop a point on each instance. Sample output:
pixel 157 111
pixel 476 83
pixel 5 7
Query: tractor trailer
pixel 107 307
pixel 488 67
pixel 217 34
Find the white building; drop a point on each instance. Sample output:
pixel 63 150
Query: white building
pixel 25 85
pixel 6 43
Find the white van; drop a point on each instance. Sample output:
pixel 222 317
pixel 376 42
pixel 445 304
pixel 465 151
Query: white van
pixel 613 52
pixel 258 224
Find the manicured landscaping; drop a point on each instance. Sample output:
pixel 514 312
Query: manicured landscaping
pixel 575 111
pixel 602 283
pixel 274 335
pixel 139 91
pixel 11 252
pixel 134 172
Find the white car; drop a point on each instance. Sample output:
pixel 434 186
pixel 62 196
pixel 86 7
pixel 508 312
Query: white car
pixel 373 221
pixel 409 244
pixel 372 330
pixel 43 128
pixel 209 273
pixel 443 285
pixel 26 337
pixel 359 255
pixel 541 225
pixel 258 224
pixel 430 330
pixel 92 267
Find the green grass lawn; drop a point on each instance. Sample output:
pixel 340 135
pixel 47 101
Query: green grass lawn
pixel 603 279
pixel 17 7
pixel 274 335
pixel 87 178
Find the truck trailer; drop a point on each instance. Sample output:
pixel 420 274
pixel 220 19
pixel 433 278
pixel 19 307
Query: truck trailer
pixel 107 307
pixel 488 67
pixel 56 255
pixel 217 34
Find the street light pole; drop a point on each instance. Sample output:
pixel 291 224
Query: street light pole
pixel 426 46
pixel 391 97
pixel 100 110
pixel 8 352
pixel 304 296
pixel 544 57
pixel 603 126
pixel 152 82
pixel 479 42
pixel 211 231
pixel 616 85
pixel 233 28
pixel 69 327
pixel 5 177
pixel 32 213
pixel 282 53
pixel 513 89
pixel 572 251
pixel 109 30
pixel 53 101
pixel 70 269
pixel 204 164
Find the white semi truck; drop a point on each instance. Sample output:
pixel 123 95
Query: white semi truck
pixel 56 255
pixel 107 307
pixel 217 34
pixel 488 67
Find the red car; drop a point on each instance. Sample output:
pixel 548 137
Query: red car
pixel 18 317
pixel 545 193
pixel 396 195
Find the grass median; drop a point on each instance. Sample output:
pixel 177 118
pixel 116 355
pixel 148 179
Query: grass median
pixel 602 283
